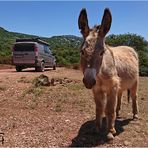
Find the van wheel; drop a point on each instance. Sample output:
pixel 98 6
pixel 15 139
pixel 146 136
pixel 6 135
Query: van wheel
pixel 18 68
pixel 40 68
pixel 54 67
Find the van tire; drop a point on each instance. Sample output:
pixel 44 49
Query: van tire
pixel 40 68
pixel 18 68
pixel 54 67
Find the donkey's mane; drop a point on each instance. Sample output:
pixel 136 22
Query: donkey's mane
pixel 95 28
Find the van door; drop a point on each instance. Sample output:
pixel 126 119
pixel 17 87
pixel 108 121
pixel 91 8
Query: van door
pixel 24 53
pixel 48 59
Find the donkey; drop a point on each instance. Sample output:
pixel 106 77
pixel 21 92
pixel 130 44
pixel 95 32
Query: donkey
pixel 108 71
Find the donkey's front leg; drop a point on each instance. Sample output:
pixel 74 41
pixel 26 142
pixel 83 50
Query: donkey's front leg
pixel 111 113
pixel 100 107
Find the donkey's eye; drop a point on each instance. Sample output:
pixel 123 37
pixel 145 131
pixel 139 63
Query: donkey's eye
pixel 101 53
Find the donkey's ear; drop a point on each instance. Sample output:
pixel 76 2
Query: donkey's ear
pixel 83 23
pixel 106 22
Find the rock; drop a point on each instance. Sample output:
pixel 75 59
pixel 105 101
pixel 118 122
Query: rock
pixel 60 81
pixel 23 133
pixel 2 137
pixel 42 80
pixel 126 143
pixel 67 120
pixel 52 82
pixel 142 98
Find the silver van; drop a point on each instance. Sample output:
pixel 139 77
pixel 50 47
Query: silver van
pixel 32 53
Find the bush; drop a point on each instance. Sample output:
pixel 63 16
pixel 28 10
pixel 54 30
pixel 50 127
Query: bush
pixel 143 71
pixel 5 60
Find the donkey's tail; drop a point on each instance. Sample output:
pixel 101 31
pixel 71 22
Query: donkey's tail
pixel 128 95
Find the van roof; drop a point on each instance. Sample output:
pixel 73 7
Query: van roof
pixel 38 40
pixel 25 42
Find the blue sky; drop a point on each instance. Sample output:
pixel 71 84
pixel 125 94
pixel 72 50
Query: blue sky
pixel 52 18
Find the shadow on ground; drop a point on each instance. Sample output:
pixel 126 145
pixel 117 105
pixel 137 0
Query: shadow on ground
pixel 88 137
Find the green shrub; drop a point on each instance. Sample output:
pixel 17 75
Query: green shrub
pixel 5 60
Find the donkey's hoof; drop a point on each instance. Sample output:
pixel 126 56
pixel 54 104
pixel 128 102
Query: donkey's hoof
pixel 135 117
pixel 110 136
pixel 113 131
pixel 118 116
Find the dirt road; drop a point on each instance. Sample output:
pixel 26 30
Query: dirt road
pixel 61 115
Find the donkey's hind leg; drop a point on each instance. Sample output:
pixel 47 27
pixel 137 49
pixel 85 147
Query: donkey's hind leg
pixel 133 92
pixel 118 104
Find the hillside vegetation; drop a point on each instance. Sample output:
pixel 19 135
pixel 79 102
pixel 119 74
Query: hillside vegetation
pixel 66 47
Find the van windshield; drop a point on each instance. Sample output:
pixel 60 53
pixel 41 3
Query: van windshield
pixel 24 47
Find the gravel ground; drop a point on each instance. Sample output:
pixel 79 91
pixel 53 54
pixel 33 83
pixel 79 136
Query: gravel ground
pixel 61 115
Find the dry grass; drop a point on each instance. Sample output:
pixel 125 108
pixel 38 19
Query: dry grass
pixel 23 80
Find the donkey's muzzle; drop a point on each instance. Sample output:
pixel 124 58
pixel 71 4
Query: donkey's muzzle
pixel 89 78
pixel 89 84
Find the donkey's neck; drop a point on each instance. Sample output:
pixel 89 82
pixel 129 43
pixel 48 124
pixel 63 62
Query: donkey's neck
pixel 108 68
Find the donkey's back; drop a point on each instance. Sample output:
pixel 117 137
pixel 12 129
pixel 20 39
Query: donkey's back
pixel 126 61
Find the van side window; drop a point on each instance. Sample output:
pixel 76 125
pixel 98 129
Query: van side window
pixel 46 50
pixel 41 47
pixel 49 51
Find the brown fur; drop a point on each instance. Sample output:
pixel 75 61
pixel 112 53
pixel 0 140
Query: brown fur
pixel 108 71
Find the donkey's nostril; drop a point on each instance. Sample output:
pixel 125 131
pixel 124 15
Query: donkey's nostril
pixel 89 83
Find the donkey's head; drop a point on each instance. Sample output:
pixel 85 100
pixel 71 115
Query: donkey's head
pixel 93 46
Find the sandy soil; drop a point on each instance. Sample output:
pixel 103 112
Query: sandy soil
pixel 61 115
